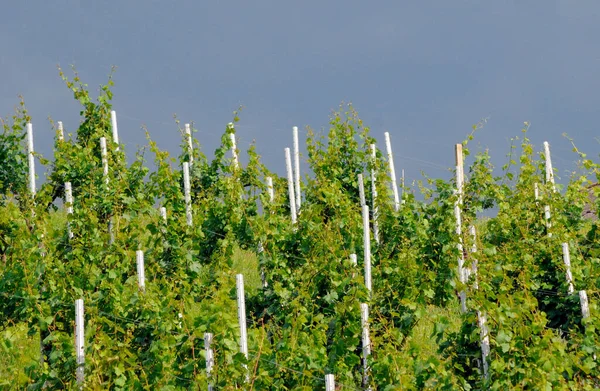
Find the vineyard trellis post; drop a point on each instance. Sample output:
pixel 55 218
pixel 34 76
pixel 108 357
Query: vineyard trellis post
pixel 388 146
pixel 366 342
pixel 61 132
pixel 187 194
pixel 567 261
pixel 79 342
pixel 115 129
pixel 241 304
pixel 367 246
pixel 297 190
pixel 361 190
pixel 233 147
pixel 139 259
pixel 462 273
pixel 210 360
pixel 31 159
pixel 69 205
pixel 290 177
pixel 329 382
pixel 374 194
pixel 188 135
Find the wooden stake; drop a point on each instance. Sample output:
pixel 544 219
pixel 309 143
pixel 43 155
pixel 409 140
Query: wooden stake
pixel 187 193
pixel 367 246
pixel 297 191
pixel 115 129
pixel 567 261
pixel 288 165
pixel 374 194
pixel 188 133
pixel 139 258
pixel 79 342
pixel 210 360
pixel 388 146
pixel 31 159
pixel 329 383
pixel 366 342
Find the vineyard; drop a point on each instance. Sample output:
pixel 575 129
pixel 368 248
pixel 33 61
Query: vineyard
pixel 191 273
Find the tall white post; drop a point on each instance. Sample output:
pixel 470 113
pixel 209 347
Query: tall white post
pixel 210 359
pixel 462 272
pixel 69 203
pixel 61 132
pixel 374 194
pixel 104 155
pixel 329 383
pixel 270 190
pixel 485 342
pixel 585 306
pixel 549 170
pixel 473 256
pixel 163 213
pixel 567 261
pixel 187 193
pixel 233 147
pixel 188 134
pixel 288 165
pixel 367 246
pixel 241 304
pixel 297 191
pixel 361 190
pixel 366 341
pixel 536 191
pixel 115 129
pixel 79 341
pixel 139 259
pixel 388 146
pixel 31 159
pixel 354 259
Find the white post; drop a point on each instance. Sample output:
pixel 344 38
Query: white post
pixel 297 191
pixel 585 307
pixel 485 342
pixel 367 246
pixel 69 203
pixel 329 383
pixel 354 259
pixel 549 170
pixel 288 165
pixel 567 261
pixel 187 193
pixel 188 133
pixel 103 153
pixel 210 360
pixel 115 130
pixel 163 213
pixel 79 341
pixel 366 341
pixel 462 272
pixel 474 259
pixel 241 304
pixel 374 195
pixel 233 147
pixel 139 258
pixel 31 159
pixel 61 132
pixel 361 190
pixel 270 189
pixel 388 146
pixel 536 191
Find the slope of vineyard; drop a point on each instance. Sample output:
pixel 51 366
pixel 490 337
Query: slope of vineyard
pixel 303 291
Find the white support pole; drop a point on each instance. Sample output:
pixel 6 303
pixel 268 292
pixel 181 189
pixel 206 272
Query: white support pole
pixel 354 259
pixel 31 159
pixel 115 129
pixel 233 147
pixel 536 191
pixel 104 155
pixel 485 342
pixel 549 170
pixel 288 165
pixel 69 204
pixel 366 341
pixel 163 213
pixel 473 270
pixel 188 134
pixel 585 306
pixel 374 194
pixel 61 132
pixel 270 190
pixel 187 193
pixel 79 342
pixel 462 272
pixel 388 146
pixel 210 359
pixel 329 383
pixel 297 191
pixel 367 246
pixel 139 260
pixel 567 261
pixel 361 190
pixel 241 304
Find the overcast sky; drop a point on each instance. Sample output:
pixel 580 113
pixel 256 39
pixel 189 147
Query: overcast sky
pixel 425 71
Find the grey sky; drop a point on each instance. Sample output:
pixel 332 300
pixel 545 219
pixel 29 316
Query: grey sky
pixel 425 71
